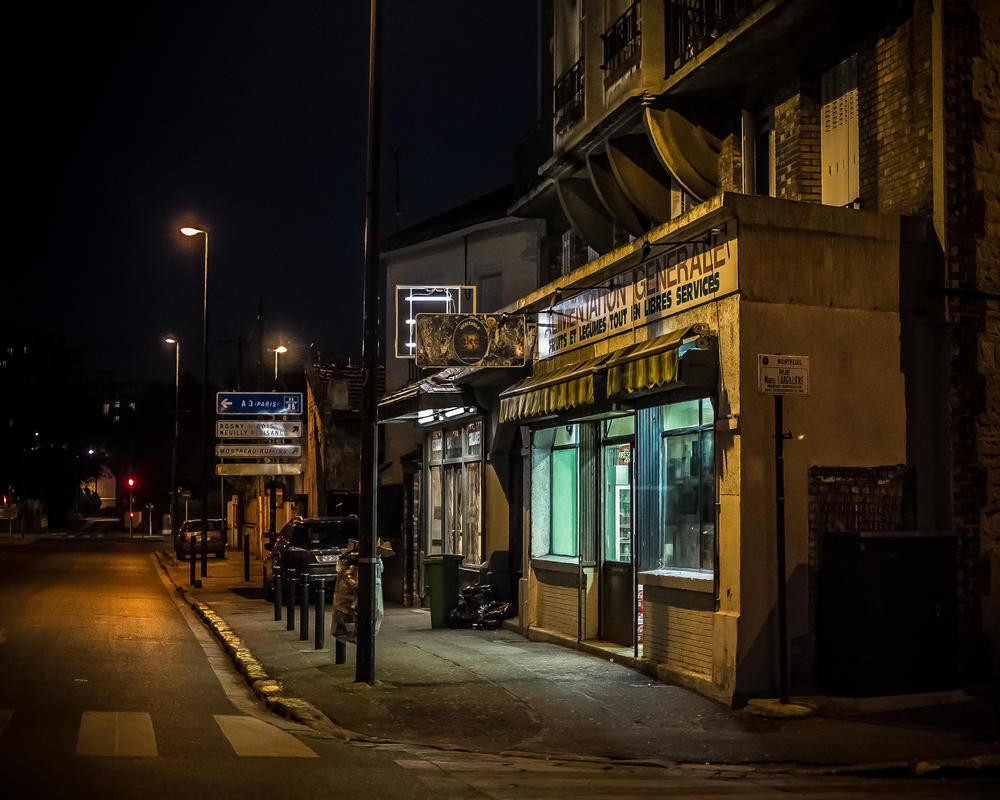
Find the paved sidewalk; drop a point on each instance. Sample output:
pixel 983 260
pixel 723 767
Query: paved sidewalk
pixel 495 691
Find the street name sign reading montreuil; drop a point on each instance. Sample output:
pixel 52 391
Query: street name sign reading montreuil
pixel 256 404
pixel 782 375
pixel 257 429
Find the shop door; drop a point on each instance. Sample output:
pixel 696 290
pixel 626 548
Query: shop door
pixel 617 579
pixel 454 511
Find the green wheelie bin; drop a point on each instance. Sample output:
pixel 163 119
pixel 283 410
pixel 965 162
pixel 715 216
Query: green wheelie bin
pixel 441 580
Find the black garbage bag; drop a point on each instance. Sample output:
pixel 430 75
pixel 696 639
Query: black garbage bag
pixel 477 608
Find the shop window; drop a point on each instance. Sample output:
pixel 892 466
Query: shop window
pixel 677 487
pixel 687 499
pixel 554 491
pixel 454 492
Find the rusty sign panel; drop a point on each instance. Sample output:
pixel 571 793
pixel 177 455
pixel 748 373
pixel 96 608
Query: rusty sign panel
pixel 480 340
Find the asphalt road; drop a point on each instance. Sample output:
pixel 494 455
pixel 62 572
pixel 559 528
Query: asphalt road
pixel 110 688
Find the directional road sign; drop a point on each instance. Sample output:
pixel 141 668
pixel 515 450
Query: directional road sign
pixel 255 404
pixel 257 450
pixel 257 429
pixel 258 469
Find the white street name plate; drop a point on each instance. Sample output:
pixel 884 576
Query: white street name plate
pixel 256 429
pixel 257 450
pixel 781 374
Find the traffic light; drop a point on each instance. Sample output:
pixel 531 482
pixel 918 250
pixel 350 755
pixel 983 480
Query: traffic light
pixel 131 482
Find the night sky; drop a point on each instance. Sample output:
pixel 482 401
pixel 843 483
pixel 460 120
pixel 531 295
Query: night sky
pixel 131 119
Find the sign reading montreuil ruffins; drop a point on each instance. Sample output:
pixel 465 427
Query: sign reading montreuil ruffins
pixel 258 450
pixel 257 429
pixel 254 404
pixel 659 287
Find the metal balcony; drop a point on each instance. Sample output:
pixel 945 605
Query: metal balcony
pixel 567 98
pixel 692 25
pixel 622 45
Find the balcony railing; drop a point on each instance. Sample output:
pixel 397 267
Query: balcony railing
pixel 622 45
pixel 567 98
pixel 692 25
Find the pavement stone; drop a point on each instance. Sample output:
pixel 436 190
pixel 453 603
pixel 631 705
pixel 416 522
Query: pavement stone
pixel 498 692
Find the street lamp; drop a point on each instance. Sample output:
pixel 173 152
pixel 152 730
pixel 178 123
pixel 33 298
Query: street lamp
pixel 279 349
pixel 204 405
pixel 177 427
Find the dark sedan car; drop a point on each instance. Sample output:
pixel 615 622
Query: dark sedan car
pixel 216 537
pixel 309 546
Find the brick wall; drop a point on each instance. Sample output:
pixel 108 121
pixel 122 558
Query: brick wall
pixel 677 629
pixel 972 210
pixel 894 118
pixel 797 167
pixel 557 602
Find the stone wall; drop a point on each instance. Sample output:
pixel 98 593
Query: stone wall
pixel 797 167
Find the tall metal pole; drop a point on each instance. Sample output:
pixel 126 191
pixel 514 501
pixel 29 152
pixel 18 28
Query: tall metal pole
pixel 779 480
pixel 365 662
pixel 204 419
pixel 177 428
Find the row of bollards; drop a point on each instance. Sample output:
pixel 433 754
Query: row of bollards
pixel 290 590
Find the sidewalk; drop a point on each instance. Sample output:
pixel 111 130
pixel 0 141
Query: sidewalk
pixel 495 691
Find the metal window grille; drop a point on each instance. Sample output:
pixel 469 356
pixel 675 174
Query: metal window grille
pixel 622 45
pixel 567 96
pixel 692 25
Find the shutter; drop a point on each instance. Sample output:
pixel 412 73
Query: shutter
pixel 839 133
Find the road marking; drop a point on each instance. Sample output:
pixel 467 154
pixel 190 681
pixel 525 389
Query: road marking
pixel 116 733
pixel 5 715
pixel 254 737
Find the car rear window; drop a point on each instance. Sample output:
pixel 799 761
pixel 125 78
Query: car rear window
pixel 198 525
pixel 325 534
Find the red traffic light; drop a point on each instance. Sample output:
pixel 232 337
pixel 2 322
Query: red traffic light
pixel 131 482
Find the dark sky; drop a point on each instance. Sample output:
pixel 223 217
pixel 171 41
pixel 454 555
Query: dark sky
pixel 130 119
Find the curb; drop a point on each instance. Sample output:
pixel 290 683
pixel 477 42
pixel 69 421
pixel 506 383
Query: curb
pixel 269 691
pixel 264 687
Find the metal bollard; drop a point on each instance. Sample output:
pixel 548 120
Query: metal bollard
pixel 276 574
pixel 339 652
pixel 246 557
pixel 304 609
pixel 290 607
pixel 320 613
pixel 191 557
pixel 204 551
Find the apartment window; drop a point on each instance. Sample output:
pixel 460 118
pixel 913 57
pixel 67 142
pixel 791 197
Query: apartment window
pixel 622 45
pixel 554 491
pixel 839 133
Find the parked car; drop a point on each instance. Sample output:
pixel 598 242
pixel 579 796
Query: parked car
pixel 309 545
pixel 216 537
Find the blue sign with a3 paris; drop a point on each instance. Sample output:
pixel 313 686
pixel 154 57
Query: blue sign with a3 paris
pixel 258 404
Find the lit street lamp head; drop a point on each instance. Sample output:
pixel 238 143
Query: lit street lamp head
pixel 192 231
pixel 170 340
pixel 280 349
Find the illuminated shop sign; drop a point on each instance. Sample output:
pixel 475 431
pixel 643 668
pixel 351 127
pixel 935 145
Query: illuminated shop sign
pixel 663 285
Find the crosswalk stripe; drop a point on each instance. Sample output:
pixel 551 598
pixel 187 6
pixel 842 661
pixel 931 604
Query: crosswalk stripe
pixel 116 733
pixel 5 715
pixel 254 737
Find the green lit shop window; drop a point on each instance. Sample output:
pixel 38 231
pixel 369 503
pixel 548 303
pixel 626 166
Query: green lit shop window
pixel 554 486
pixel 684 536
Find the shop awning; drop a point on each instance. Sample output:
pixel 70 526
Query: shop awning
pixel 647 366
pixel 436 392
pixel 551 391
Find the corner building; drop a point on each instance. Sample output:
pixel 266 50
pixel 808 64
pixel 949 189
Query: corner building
pixel 739 179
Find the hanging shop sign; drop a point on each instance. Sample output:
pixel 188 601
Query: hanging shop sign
pixel 781 374
pixel 414 300
pixel 258 451
pixel 663 285
pixel 257 429
pixel 481 340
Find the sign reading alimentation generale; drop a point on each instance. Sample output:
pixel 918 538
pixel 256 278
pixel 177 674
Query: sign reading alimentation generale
pixel 661 286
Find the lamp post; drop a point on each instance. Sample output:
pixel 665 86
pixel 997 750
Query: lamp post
pixel 204 406
pixel 277 350
pixel 177 428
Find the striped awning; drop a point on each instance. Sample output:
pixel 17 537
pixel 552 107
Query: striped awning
pixel 550 391
pixel 646 366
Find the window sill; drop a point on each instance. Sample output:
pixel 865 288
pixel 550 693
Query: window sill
pixel 684 579
pixel 555 564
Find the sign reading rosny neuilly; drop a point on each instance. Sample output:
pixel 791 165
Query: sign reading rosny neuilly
pixel 257 404
pixel 659 287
